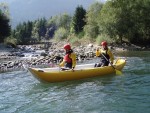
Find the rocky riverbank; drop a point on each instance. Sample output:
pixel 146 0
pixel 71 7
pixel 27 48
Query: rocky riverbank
pixel 36 56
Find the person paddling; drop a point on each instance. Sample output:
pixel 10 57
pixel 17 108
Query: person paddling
pixel 69 60
pixel 105 55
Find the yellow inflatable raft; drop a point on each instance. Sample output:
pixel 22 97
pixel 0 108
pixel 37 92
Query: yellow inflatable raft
pixel 80 72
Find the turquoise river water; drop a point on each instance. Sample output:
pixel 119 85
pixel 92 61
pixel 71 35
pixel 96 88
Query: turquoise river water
pixel 129 93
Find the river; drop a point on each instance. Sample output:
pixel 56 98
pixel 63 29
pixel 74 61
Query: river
pixel 129 93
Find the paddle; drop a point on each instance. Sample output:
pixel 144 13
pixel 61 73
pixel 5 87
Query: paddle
pixel 117 71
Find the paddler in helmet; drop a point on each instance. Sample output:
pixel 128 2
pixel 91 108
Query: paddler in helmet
pixel 105 55
pixel 69 60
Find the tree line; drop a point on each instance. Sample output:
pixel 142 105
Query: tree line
pixel 114 21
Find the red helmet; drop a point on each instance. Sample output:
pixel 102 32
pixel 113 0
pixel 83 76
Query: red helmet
pixel 67 47
pixel 104 43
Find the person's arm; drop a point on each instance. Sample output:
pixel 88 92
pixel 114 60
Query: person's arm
pixel 111 56
pixel 62 63
pixel 97 52
pixel 73 57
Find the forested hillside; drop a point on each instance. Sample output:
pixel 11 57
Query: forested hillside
pixel 113 21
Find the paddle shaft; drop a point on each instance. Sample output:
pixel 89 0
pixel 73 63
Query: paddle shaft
pixel 108 61
pixel 117 71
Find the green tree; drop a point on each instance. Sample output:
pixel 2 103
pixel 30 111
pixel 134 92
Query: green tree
pixel 5 9
pixel 56 22
pixel 42 27
pixel 91 28
pixel 140 16
pixel 78 20
pixel 17 33
pixel 23 33
pixel 39 29
pixel 35 31
pixel 108 20
pixel 5 28
pixel 126 19
pixel 10 41
pixel 63 20
pixel 60 34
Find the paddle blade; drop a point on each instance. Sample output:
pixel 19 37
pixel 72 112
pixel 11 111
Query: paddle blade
pixel 118 72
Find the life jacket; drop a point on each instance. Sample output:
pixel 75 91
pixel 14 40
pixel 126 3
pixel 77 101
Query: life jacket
pixel 104 52
pixel 67 59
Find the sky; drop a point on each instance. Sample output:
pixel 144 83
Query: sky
pixel 24 10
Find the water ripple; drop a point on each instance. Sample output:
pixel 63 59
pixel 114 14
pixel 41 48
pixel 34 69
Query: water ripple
pixel 129 93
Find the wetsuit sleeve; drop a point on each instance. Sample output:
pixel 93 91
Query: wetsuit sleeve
pixel 98 52
pixel 73 57
pixel 111 56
